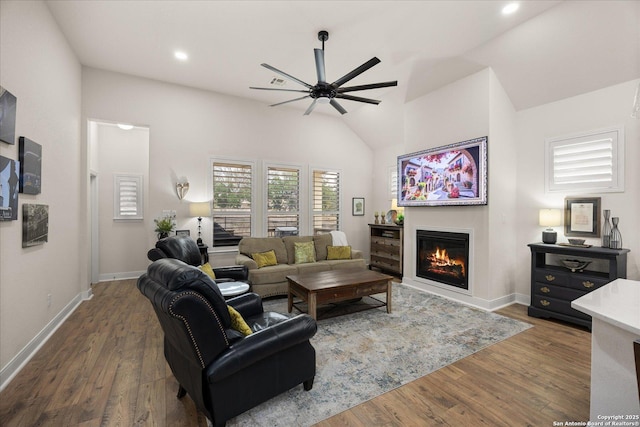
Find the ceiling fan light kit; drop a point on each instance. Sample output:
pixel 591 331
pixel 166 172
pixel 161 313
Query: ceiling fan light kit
pixel 328 93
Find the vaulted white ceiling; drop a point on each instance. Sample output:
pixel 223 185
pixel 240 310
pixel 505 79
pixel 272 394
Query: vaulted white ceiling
pixel 546 51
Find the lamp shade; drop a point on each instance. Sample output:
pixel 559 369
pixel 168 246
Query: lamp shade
pixel 201 209
pixel 550 217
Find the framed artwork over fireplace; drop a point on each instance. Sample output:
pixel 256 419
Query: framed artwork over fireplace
pixel 454 174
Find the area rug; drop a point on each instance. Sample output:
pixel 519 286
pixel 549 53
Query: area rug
pixel 362 355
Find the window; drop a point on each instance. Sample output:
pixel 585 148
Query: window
pixel 393 182
pixel 326 201
pixel 283 201
pixel 592 161
pixel 127 197
pixel 232 202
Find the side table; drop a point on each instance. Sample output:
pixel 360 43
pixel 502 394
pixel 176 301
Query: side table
pixel 232 289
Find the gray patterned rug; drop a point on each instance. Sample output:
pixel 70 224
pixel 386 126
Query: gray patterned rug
pixel 362 355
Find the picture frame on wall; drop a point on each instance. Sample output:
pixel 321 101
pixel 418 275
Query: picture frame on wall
pixel 450 175
pixel 357 206
pixel 35 224
pixel 8 105
pixel 30 155
pixel 582 216
pixel 9 187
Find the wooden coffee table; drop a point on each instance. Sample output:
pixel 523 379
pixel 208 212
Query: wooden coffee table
pixel 337 285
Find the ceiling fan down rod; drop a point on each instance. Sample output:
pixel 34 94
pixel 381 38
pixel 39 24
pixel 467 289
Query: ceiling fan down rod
pixel 323 36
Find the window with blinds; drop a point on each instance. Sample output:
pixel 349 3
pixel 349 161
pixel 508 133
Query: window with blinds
pixel 590 162
pixel 283 201
pixel 127 204
pixel 232 201
pixel 326 201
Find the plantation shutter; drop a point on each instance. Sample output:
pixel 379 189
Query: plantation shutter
pixel 326 201
pixel 283 201
pixel 586 162
pixel 127 196
pixel 232 200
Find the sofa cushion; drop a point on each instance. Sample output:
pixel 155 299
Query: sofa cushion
pixel 237 322
pixel 321 241
pixel 347 263
pixel 265 259
pixel 251 245
pixel 305 252
pixel 289 244
pixel 313 267
pixel 206 267
pixel 338 252
pixel 271 274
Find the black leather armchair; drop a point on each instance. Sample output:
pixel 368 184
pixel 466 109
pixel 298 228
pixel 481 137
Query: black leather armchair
pixel 186 250
pixel 224 372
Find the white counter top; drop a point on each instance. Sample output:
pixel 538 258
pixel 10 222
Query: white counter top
pixel 617 303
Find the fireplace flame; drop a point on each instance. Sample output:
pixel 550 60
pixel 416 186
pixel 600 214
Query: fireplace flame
pixel 440 258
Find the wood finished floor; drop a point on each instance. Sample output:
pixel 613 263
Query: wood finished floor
pixel 104 367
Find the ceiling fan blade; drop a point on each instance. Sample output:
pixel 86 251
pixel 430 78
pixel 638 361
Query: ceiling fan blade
pixel 319 53
pixel 283 90
pixel 311 107
pixel 338 107
pixel 365 87
pixel 357 98
pixel 291 100
pixel 361 69
pixel 282 73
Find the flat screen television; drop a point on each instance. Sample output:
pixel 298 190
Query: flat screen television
pixel 454 174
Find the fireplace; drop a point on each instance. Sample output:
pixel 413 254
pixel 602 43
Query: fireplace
pixel 443 257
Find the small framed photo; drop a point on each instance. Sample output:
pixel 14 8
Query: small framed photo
pixel 183 233
pixel 582 216
pixel 357 206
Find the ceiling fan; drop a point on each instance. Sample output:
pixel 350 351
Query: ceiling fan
pixel 327 93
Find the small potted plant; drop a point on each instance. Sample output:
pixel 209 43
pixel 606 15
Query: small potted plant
pixel 400 219
pixel 164 226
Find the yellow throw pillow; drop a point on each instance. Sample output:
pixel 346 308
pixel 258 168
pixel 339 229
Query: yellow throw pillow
pixel 338 252
pixel 265 259
pixel 304 252
pixel 237 322
pixel 208 270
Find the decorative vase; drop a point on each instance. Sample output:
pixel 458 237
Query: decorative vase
pixel 615 239
pixel 606 228
pixel 162 235
pixel 377 220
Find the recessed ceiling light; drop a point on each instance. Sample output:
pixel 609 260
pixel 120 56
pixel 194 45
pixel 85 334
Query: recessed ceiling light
pixel 124 126
pixel 510 8
pixel 181 56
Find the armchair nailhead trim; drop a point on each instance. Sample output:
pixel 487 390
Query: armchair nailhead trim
pixel 186 323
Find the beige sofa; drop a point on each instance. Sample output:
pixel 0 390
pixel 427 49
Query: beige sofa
pixel 270 281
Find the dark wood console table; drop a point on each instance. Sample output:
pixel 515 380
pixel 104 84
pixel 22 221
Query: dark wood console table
pixel 553 287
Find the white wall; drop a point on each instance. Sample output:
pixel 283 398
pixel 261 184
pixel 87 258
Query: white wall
pixel 39 68
pixel 607 107
pixel 188 127
pixel 121 151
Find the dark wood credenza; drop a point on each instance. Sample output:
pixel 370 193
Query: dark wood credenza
pixel 386 246
pixel 553 287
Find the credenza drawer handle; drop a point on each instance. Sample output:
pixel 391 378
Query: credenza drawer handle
pixel 550 278
pixel 587 284
pixel 545 302
pixel 545 289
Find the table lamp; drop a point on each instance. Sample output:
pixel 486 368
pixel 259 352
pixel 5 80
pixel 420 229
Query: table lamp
pixel 550 218
pixel 200 209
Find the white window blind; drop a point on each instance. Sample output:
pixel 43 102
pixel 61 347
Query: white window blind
pixel 326 201
pixel 128 200
pixel 393 182
pixel 232 200
pixel 591 162
pixel 283 201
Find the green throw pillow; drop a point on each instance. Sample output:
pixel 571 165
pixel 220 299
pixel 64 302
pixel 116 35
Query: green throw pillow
pixel 338 252
pixel 304 252
pixel 264 259
pixel 237 322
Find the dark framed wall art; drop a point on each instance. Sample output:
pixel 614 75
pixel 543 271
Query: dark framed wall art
pixel 35 224
pixel 9 186
pixel 582 216
pixel 8 103
pixel 30 155
pixel 357 206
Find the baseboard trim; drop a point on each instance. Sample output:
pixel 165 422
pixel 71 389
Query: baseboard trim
pixel 8 372
pixel 106 277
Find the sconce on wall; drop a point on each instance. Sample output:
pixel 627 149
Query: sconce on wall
pixel 182 188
